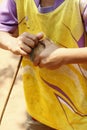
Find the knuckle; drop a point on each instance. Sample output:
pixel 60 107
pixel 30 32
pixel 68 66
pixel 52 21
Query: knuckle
pixel 32 44
pixel 16 51
pixel 20 43
pixel 22 38
pixel 35 39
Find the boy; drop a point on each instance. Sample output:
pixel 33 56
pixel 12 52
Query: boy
pixel 55 83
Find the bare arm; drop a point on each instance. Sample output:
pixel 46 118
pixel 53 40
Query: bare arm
pixel 75 55
pixel 53 57
pixel 6 40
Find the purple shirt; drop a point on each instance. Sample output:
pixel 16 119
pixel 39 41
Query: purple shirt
pixel 8 16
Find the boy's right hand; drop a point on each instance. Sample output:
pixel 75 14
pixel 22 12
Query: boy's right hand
pixel 24 44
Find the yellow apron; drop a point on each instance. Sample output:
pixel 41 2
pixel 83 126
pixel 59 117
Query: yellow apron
pixel 57 98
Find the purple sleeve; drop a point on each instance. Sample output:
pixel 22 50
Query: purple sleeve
pixel 8 16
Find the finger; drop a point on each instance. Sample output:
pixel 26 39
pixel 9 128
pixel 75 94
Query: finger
pixel 40 35
pixel 20 52
pixel 33 37
pixel 29 42
pixel 25 48
pixel 46 42
pixel 37 37
pixel 43 63
pixel 36 61
pixel 23 53
pixel 24 38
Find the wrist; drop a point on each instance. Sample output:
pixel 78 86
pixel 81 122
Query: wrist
pixel 66 55
pixel 6 41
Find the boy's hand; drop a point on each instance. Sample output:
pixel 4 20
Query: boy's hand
pixel 24 44
pixel 42 44
pixel 51 57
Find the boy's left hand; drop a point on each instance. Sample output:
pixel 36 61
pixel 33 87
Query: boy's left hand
pixel 50 57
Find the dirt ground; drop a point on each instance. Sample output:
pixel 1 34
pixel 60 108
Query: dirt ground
pixel 15 114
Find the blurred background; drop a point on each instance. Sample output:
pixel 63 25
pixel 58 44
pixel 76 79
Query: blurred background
pixel 15 115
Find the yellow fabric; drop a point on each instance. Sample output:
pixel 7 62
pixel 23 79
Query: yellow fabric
pixel 56 98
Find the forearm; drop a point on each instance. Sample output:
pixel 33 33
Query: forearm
pixel 53 57
pixel 6 40
pixel 75 55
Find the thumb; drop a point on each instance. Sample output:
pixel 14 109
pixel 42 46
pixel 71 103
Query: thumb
pixel 40 35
